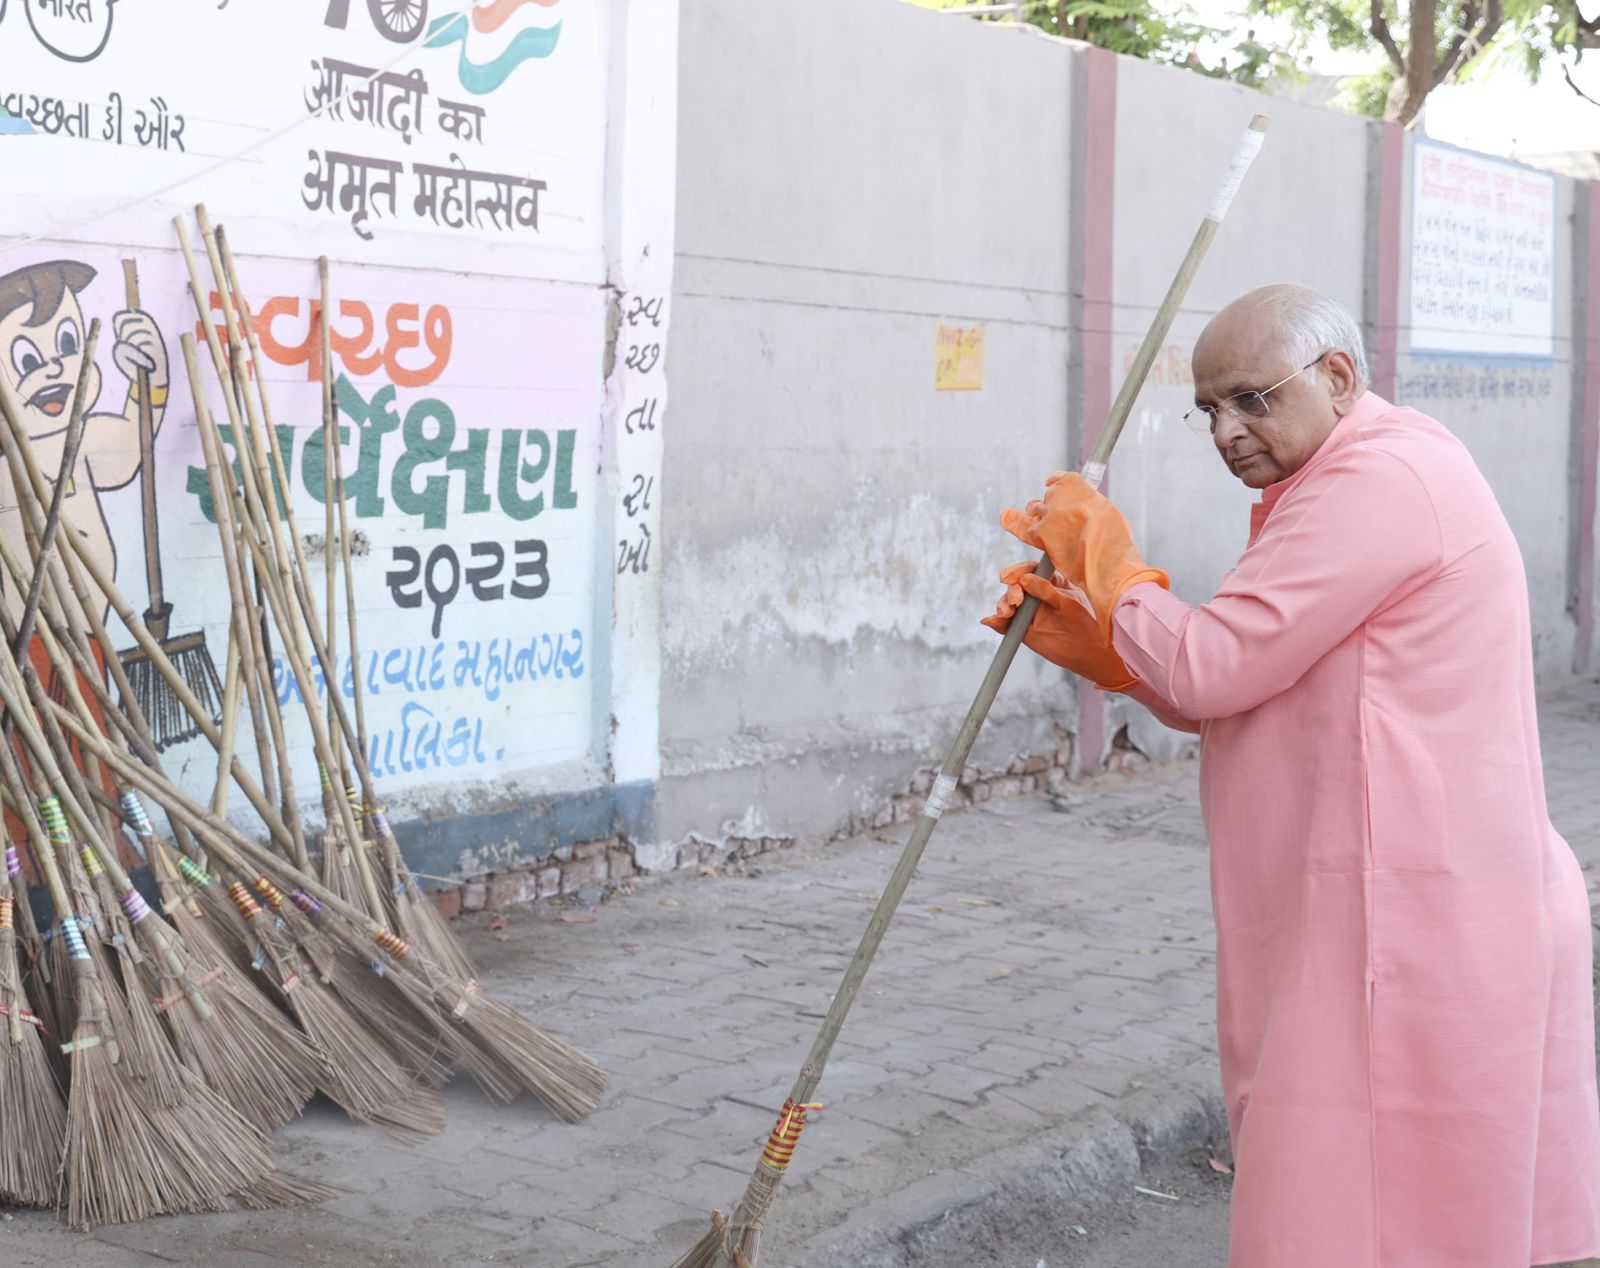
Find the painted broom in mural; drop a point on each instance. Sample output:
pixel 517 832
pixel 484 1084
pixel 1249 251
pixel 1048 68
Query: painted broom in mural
pixel 169 720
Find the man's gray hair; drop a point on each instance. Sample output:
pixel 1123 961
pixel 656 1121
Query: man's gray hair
pixel 1313 324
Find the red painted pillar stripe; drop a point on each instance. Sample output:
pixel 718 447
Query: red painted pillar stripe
pixel 1391 189
pixel 1097 239
pixel 1589 446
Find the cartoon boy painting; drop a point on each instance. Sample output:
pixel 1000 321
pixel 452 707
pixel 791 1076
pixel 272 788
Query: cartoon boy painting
pixel 42 329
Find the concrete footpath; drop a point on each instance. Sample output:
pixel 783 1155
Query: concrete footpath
pixel 1040 1013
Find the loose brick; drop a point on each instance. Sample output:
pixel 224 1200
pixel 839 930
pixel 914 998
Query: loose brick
pixel 580 872
pixel 473 895
pixel 510 888
pixel 548 882
pixel 1034 765
pixel 619 864
pixel 447 902
pixel 589 850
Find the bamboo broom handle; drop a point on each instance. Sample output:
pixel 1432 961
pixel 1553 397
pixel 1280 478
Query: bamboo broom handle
pixel 350 604
pixel 261 695
pixel 20 454
pixel 330 437
pixel 159 937
pixel 301 577
pixel 261 509
pixel 302 676
pixel 243 619
pixel 295 582
pixel 31 490
pixel 955 762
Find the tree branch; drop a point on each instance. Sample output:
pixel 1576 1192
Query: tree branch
pixel 1566 71
pixel 1379 26
pixel 1451 53
pixel 1469 43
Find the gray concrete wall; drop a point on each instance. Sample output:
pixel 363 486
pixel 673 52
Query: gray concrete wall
pixel 850 176
pixel 848 180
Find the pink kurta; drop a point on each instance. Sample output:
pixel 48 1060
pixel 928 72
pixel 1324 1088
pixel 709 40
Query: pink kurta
pixel 1404 981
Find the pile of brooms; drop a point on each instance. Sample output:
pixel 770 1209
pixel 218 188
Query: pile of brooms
pixel 148 1052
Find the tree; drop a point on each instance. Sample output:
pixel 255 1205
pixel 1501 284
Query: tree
pixel 1157 30
pixel 1428 43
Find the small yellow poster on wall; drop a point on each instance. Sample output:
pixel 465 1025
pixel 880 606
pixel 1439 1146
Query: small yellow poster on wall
pixel 958 363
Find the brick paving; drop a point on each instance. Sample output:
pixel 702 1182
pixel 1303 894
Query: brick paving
pixel 1051 967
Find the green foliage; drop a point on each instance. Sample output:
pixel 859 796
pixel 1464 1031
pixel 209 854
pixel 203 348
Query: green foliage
pixel 1366 94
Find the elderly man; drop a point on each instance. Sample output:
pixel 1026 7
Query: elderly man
pixel 1404 978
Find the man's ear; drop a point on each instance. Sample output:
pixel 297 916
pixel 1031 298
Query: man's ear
pixel 1343 381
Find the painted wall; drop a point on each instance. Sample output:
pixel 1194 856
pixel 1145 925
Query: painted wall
pixel 838 200
pixel 492 183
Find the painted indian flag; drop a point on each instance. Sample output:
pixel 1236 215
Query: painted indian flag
pixel 496 37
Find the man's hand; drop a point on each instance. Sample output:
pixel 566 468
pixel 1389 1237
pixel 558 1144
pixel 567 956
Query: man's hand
pixel 139 346
pixel 1064 630
pixel 1088 541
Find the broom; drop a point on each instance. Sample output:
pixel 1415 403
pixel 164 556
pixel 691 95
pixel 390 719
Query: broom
pixel 420 1047
pixel 21 931
pixel 736 1242
pixel 435 938
pixel 260 1190
pixel 562 1077
pixel 410 911
pixel 414 915
pixel 252 1056
pixel 33 1117
pixel 259 510
pixel 19 454
pixel 172 725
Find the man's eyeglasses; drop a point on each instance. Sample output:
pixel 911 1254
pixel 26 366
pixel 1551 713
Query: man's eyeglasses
pixel 1202 419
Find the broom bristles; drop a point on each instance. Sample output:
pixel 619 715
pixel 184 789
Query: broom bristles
pixel 33 1117
pixel 281 1189
pixel 705 1251
pixel 566 1080
pixel 269 1071
pixel 420 922
pixel 33 1124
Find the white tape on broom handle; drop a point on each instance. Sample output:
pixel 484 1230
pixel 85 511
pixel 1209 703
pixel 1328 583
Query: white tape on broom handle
pixel 1249 147
pixel 1093 473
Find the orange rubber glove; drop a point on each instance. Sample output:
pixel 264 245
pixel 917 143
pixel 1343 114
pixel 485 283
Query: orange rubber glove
pixel 1063 630
pixel 1088 541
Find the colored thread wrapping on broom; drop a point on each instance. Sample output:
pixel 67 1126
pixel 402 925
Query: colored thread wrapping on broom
pixel 55 820
pixel 134 905
pixel 322 775
pixel 193 872
pixel 380 820
pixel 91 862
pixel 25 1015
pixel 6 912
pixel 13 861
pixel 396 947
pixel 270 892
pixel 305 902
pixel 134 808
pixel 74 935
pixel 780 1145
pixel 248 906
